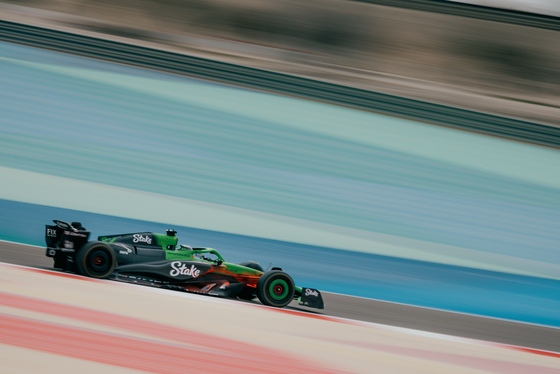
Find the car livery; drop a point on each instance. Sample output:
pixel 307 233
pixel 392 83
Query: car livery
pixel 157 260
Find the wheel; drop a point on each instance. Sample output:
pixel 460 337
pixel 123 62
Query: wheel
pixel 275 288
pixel 96 260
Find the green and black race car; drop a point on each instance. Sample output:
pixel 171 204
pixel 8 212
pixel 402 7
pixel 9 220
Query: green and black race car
pixel 156 260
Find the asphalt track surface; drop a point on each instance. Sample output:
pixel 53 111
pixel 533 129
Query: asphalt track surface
pixel 376 311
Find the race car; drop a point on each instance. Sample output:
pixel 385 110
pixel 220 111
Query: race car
pixel 157 260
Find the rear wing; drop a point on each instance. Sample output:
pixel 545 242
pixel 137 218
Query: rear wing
pixel 65 235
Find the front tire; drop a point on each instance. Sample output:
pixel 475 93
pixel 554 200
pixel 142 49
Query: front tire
pixel 275 288
pixel 96 260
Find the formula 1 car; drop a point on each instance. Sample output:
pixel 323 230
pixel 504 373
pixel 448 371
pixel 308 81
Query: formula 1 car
pixel 156 260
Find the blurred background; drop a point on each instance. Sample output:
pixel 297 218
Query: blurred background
pixel 448 219
pixel 418 49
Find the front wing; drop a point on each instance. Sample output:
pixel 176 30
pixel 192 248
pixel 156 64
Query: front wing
pixel 311 297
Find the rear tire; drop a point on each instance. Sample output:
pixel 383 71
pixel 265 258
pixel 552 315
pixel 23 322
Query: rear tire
pixel 96 260
pixel 275 288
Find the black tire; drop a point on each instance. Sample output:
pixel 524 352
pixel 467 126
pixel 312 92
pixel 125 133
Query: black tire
pixel 96 260
pixel 275 288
